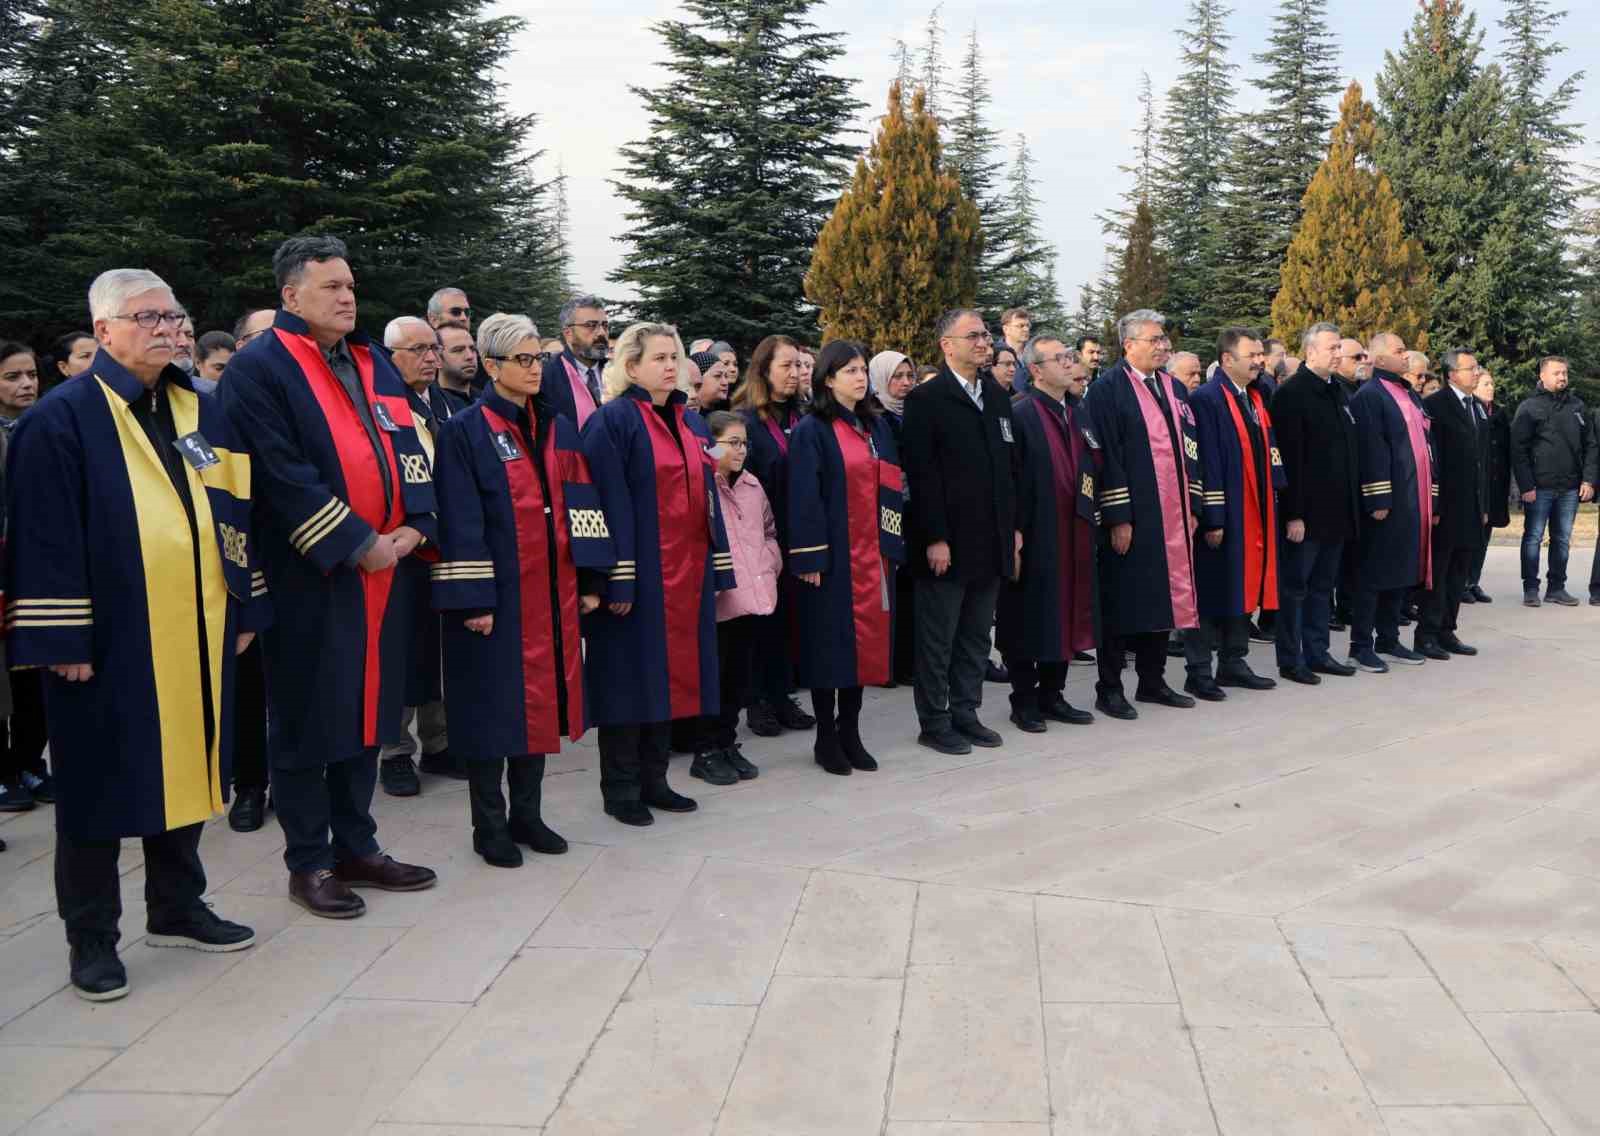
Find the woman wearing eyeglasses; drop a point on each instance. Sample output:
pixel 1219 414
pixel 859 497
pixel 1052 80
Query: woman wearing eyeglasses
pixel 652 647
pixel 523 544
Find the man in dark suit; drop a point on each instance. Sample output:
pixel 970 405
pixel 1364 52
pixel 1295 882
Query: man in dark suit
pixel 1460 453
pixel 571 382
pixel 960 465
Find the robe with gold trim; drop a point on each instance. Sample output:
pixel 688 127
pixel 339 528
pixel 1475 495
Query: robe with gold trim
pixel 107 566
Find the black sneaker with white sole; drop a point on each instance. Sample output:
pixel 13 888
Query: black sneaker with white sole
pixel 201 930
pixel 97 973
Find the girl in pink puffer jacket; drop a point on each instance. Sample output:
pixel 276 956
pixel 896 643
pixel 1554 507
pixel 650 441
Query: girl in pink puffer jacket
pixel 757 562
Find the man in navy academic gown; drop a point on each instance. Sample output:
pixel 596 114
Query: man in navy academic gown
pixel 343 492
pixel 1046 615
pixel 133 583
pixel 1399 507
pixel 1150 495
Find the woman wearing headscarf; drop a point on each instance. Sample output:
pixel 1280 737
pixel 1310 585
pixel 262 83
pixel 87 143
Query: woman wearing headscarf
pixel 894 376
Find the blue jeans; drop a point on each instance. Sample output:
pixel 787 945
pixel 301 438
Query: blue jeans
pixel 1306 575
pixel 1557 508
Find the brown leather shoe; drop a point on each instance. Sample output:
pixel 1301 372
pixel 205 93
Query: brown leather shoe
pixel 320 893
pixel 384 872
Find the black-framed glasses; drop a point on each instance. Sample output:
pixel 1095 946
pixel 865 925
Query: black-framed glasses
pixel 974 337
pixel 522 359
pixel 1061 357
pixel 1156 340
pixel 421 350
pixel 734 443
pixel 151 320
pixel 592 326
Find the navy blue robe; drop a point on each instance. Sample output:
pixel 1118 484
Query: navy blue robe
pixel 1151 587
pixel 1392 551
pixel 835 520
pixel 1048 613
pixel 105 569
pixel 1241 575
pixel 518 517
pixel 658 489
pixel 339 656
pixel 768 458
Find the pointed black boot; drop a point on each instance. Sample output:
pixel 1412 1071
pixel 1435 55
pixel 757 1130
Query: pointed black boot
pixel 525 775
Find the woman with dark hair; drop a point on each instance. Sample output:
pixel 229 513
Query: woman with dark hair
pixel 769 402
pixel 71 353
pixel 845 495
pixel 1005 367
pixel 1497 424
pixel 893 377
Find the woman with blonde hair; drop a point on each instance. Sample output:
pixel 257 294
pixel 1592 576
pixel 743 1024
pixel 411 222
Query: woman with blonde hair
pixel 652 645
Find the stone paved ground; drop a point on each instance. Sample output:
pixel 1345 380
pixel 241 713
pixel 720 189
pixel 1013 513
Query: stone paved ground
pixel 1368 907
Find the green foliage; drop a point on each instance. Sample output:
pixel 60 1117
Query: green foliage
pixel 902 245
pixel 969 154
pixel 1026 274
pixel 191 136
pixel 1142 274
pixel 742 164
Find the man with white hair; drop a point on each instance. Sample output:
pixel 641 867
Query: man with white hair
pixel 1185 367
pixel 449 307
pixel 133 584
pixel 1150 497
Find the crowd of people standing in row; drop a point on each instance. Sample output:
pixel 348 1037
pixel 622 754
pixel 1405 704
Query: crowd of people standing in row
pixel 264 558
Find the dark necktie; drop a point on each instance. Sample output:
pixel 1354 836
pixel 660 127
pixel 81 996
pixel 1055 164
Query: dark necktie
pixel 591 381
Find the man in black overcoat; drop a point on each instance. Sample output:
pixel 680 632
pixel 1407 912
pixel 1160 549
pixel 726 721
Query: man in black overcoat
pixel 1460 454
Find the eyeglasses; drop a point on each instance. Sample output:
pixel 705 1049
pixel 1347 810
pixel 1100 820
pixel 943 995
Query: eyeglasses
pixel 734 443
pixel 592 326
pixel 1062 358
pixel 1157 340
pixel 974 337
pixel 151 320
pixel 422 350
pixel 522 359
pixel 459 312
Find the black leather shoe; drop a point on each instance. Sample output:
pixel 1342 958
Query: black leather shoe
pixel 1204 689
pixel 635 813
pixel 1467 596
pixel 1164 695
pixel 1246 678
pixel 1530 597
pixel 1479 595
pixel 97 973
pixel 947 740
pixel 710 767
pixel 399 777
pixel 763 720
pixel 1115 705
pixel 791 717
pixel 1332 666
pixel 662 797
pixel 496 847
pixel 1300 673
pixel 385 873
pixel 1028 721
pixel 996 672
pixel 442 764
pixel 979 734
pixel 1431 650
pixel 1560 596
pixel 1082 659
pixel 322 893
pixel 249 810
pixel 538 836
pixel 826 753
pixel 1455 646
pixel 1059 709
pixel 201 930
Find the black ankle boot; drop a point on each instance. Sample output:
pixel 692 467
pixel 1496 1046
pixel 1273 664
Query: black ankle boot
pixel 854 752
pixel 525 775
pixel 829 755
pixel 491 835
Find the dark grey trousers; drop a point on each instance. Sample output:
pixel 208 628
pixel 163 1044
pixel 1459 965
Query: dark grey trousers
pixel 1228 637
pixel 953 622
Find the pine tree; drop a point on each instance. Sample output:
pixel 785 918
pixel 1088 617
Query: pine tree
pixel 561 234
pixel 1047 309
pixel 1194 144
pixel 742 164
pixel 931 60
pixel 1302 75
pixel 1239 248
pixel 1116 222
pixel 1450 151
pixel 904 69
pixel 1020 279
pixel 1142 273
pixel 969 153
pixel 1350 260
pixel 903 243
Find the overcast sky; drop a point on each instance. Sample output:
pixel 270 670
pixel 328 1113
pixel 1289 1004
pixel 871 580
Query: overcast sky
pixel 1064 75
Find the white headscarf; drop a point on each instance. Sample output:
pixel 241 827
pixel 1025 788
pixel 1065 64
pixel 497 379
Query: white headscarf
pixel 883 365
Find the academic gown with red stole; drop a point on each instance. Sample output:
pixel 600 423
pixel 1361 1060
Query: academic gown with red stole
pixel 658 490
pixel 340 653
pixel 1242 472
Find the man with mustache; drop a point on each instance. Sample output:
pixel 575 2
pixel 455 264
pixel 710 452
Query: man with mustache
pixel 571 380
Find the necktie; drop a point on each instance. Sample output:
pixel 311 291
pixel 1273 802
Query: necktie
pixel 593 383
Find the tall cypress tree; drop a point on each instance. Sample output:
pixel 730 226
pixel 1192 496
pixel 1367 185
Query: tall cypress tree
pixel 1021 280
pixel 969 154
pixel 743 162
pixel 1142 273
pixel 903 241
pixel 1194 143
pixel 1350 260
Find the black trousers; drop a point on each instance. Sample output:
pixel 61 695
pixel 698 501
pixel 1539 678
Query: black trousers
pixel 1441 604
pixel 631 758
pixel 1228 637
pixel 772 673
pixel 89 891
pixel 1374 611
pixel 1035 685
pixel 736 664
pixel 954 618
pixel 24 748
pixel 523 773
pixel 326 811
pixel 905 627
pixel 250 720
pixel 1149 649
pixel 1481 553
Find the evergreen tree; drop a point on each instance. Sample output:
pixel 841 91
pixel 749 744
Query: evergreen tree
pixel 1194 143
pixel 1021 275
pixel 969 154
pixel 1116 222
pixel 740 169
pixel 193 136
pixel 1142 274
pixel 904 69
pixel 1239 248
pixel 931 59
pixel 903 243
pixel 1292 129
pixel 1047 309
pixel 1350 260
pixel 1450 149
pixel 561 235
